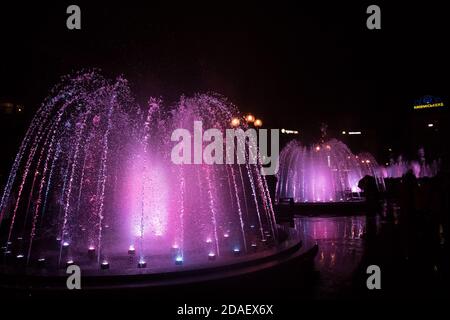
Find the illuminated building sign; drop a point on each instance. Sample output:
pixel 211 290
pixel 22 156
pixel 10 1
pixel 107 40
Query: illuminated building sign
pixel 428 102
pixel 286 131
pixel 426 106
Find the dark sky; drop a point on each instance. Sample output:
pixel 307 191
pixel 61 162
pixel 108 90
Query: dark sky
pixel 295 66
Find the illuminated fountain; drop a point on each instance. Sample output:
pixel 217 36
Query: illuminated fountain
pixel 420 168
pixel 325 172
pixel 93 184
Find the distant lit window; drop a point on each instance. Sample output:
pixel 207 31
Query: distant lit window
pixel 7 107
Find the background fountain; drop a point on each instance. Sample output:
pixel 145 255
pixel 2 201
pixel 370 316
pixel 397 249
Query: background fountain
pixel 420 167
pixel 325 172
pixel 93 184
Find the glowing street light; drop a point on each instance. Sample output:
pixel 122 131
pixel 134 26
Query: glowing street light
pixel 258 123
pixel 250 118
pixel 235 122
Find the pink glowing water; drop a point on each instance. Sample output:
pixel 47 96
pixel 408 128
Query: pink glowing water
pixel 420 168
pixel 94 171
pixel 326 172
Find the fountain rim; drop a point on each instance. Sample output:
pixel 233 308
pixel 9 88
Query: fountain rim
pixel 295 246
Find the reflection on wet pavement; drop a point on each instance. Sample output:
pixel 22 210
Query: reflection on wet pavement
pixel 341 248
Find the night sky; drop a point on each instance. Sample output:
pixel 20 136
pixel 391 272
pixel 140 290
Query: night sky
pixel 294 66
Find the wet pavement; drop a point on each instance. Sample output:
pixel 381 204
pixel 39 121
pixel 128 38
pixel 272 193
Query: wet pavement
pixel 349 244
pixel 340 252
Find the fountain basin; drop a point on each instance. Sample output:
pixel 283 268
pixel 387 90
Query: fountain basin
pixel 293 247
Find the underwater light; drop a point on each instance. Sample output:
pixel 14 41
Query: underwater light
pixel 211 256
pixel 41 262
pixel 236 251
pixel 131 250
pixel 104 265
pixel 179 260
pixel 142 264
pixel 8 255
pixel 91 251
pixel 69 262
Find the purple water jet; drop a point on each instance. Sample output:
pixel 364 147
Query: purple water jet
pixel 324 172
pixel 93 185
pixel 420 168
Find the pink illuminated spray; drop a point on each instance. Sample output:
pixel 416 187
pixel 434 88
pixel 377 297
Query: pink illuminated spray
pixel 328 172
pixel 94 171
